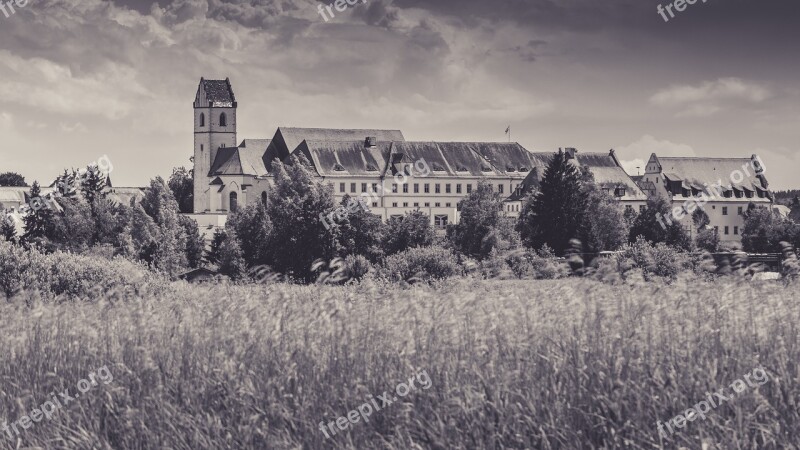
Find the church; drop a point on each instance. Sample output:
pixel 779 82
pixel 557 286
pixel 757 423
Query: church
pixel 230 173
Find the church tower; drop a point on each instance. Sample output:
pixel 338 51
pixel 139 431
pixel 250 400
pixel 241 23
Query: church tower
pixel 214 127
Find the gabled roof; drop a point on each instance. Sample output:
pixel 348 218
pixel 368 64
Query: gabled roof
pixel 699 172
pixel 606 169
pixel 290 138
pixel 347 158
pixel 239 161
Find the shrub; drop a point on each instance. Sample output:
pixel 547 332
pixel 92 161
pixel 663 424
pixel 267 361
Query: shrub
pixel 72 276
pixel 655 260
pixel 357 266
pixel 425 263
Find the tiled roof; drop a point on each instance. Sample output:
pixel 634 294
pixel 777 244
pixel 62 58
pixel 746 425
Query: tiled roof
pixel 292 137
pixel 239 161
pixel 348 158
pixel 219 92
pixel 697 172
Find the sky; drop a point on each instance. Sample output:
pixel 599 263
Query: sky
pixel 80 79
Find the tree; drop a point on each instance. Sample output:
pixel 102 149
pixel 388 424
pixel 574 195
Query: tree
pixel 181 183
pixel 410 231
pixel 12 179
pixel 700 219
pixel 8 229
pixel 231 259
pixel 606 227
pixel 66 184
pixel 194 242
pixel 39 219
pixel 653 225
pixel 253 227
pixel 170 244
pixel 360 233
pixel 708 240
pixel 295 206
pixel 480 215
pixel 213 253
pixel 764 230
pixel 73 227
pixel 93 183
pixel 556 214
pixel 795 213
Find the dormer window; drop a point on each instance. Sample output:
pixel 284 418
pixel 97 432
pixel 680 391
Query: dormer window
pixel 486 169
pixel 372 168
pixel 223 120
pixel 202 119
pixel 510 169
pixel 338 168
pixel 619 192
pixel 438 167
pixel 523 169
pixel 461 169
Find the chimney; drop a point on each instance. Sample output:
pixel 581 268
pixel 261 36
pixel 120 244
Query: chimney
pixel 371 141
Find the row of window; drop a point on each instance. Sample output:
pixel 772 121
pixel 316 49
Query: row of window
pixel 439 220
pixel 437 188
pixel 727 230
pixel 427 205
pixel 223 120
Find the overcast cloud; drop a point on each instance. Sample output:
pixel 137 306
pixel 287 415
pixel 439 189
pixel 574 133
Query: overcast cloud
pixel 83 78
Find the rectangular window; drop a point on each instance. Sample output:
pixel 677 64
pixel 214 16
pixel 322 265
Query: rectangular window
pixel 375 188
pixel 458 188
pixel 447 188
pixel 642 208
pixel 416 188
pixel 416 204
pixel 469 188
pixel 500 188
pixel 374 204
pixel 342 187
pixel 427 205
pixel 438 205
pixel 427 188
pixel 740 211
pixel 353 188
pixel 736 230
pixel 449 205
pixel 394 204
pixel 438 188
pixel 394 189
pixel 727 230
pixel 363 187
pixel 725 212
pixel 440 221
pixel 405 189
pixel 405 204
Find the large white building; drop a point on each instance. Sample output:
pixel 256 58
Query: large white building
pixel 398 175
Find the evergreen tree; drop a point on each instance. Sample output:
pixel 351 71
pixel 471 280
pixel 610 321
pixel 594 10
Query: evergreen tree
pixel 66 184
pixel 213 253
pixel 39 219
pixel 410 231
pixel 299 237
pixel 93 183
pixel 606 227
pixel 181 183
pixel 556 214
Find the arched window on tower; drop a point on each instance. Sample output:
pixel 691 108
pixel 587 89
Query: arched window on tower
pixel 234 202
pixel 223 120
pixel 264 198
pixel 202 119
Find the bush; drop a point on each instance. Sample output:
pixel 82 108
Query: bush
pixel 424 263
pixel 73 276
pixel 357 266
pixel 659 260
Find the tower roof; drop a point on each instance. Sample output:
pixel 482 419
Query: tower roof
pixel 218 93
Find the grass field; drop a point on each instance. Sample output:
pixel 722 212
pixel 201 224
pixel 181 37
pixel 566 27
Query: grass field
pixel 536 364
